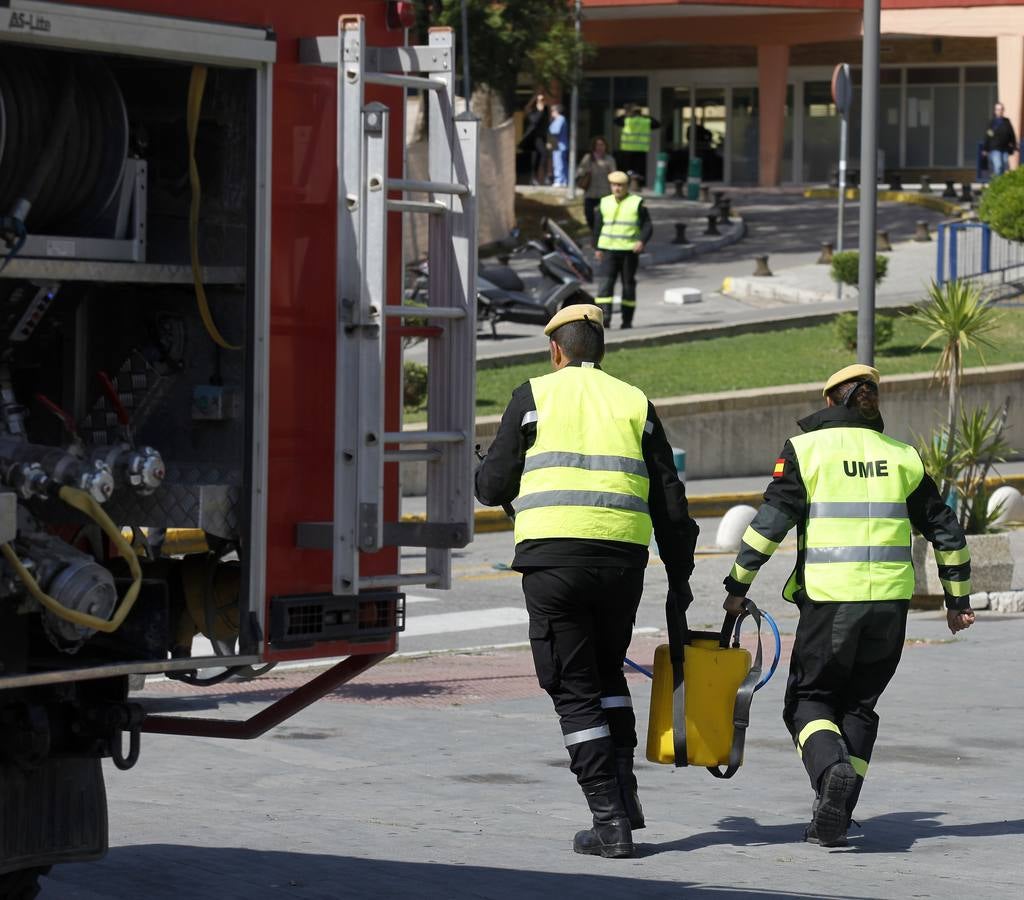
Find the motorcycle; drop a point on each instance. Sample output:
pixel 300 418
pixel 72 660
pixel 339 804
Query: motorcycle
pixel 503 296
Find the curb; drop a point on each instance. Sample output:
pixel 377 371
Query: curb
pixel 692 333
pixel 702 506
pixel 766 289
pixel 926 200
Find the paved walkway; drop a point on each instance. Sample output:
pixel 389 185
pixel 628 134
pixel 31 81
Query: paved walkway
pixel 467 795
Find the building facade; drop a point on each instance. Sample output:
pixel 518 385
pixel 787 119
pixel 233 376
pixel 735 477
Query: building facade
pixel 746 84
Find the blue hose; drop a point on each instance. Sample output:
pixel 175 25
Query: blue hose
pixel 633 665
pixel 767 676
pixel 778 651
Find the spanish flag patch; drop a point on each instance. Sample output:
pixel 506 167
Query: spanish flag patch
pixel 780 468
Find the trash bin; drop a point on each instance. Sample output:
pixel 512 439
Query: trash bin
pixel 694 178
pixel 659 174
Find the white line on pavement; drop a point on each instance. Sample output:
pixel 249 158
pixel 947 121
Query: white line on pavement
pixel 445 623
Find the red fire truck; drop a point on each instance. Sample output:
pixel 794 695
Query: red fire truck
pixel 200 241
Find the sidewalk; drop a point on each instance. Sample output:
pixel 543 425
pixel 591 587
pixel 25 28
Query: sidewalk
pixel 911 268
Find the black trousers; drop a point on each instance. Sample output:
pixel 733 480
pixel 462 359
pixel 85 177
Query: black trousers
pixel 843 657
pixel 581 622
pixel 618 263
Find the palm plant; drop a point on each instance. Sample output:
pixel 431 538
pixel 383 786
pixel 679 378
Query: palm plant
pixel 977 445
pixel 959 318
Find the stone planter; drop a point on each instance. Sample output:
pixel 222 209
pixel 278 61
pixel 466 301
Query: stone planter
pixel 991 567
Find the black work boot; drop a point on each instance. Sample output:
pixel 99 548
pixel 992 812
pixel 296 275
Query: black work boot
pixel 830 816
pixel 628 787
pixel 611 835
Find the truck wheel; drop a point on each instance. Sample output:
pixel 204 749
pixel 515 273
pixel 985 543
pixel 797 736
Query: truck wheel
pixel 23 884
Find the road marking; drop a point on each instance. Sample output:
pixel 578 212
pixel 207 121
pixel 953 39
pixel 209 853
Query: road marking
pixel 445 623
pixel 419 598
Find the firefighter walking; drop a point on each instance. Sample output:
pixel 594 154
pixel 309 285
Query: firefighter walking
pixel 584 462
pixel 622 227
pixel 854 495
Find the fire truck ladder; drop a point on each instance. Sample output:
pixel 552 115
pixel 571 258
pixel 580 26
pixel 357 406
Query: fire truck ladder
pixel 362 446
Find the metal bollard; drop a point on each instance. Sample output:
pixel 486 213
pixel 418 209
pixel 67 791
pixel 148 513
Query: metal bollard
pixel 882 241
pixel 895 182
pixel 950 191
pixel 680 237
pixel 718 195
pixel 705 194
pixel 724 211
pixel 712 228
pixel 921 233
pixel 965 193
pixel 761 266
pixel 926 186
pixel 826 253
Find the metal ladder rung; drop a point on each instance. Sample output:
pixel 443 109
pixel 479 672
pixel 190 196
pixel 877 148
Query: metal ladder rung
pixel 383 581
pixel 425 312
pixel 424 437
pixel 416 82
pixel 426 187
pixel 401 456
pixel 430 207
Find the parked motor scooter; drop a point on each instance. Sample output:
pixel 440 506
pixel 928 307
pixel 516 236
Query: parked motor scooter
pixel 503 296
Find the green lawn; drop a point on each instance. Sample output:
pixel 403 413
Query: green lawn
pixel 788 356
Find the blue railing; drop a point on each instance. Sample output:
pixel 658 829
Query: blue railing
pixel 971 251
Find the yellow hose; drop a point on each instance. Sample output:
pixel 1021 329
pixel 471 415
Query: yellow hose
pixel 196 86
pixel 85 504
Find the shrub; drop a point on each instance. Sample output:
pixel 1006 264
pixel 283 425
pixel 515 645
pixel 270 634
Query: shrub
pixel 846 267
pixel 414 388
pixel 846 329
pixel 1002 205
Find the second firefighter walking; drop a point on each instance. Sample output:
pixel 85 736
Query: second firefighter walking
pixel 622 227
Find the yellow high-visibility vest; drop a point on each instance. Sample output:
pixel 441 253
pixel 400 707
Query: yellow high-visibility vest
pixel 585 475
pixel 856 538
pixel 620 222
pixel 636 134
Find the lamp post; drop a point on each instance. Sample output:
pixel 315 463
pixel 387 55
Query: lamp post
pixel 868 183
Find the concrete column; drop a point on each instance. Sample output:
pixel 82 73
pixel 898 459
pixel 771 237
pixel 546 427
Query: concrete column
pixel 772 72
pixel 1010 62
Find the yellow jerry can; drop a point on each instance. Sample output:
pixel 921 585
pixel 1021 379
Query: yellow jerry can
pixel 712 676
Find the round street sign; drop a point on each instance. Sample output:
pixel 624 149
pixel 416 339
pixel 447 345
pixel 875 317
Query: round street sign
pixel 842 88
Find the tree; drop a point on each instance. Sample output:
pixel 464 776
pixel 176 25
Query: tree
pixel 535 38
pixel 958 318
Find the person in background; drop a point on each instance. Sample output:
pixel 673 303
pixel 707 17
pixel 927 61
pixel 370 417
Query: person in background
pixel 592 178
pixel 635 140
pixel 535 137
pixel 623 227
pixel 1000 142
pixel 558 132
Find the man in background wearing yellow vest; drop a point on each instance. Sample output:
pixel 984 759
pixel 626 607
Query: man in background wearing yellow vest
pixel 622 227
pixel 854 495
pixel 635 140
pixel 584 462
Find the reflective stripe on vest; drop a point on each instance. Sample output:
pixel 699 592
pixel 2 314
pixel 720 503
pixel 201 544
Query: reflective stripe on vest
pixel 857 533
pixel 620 222
pixel 636 134
pixel 585 475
